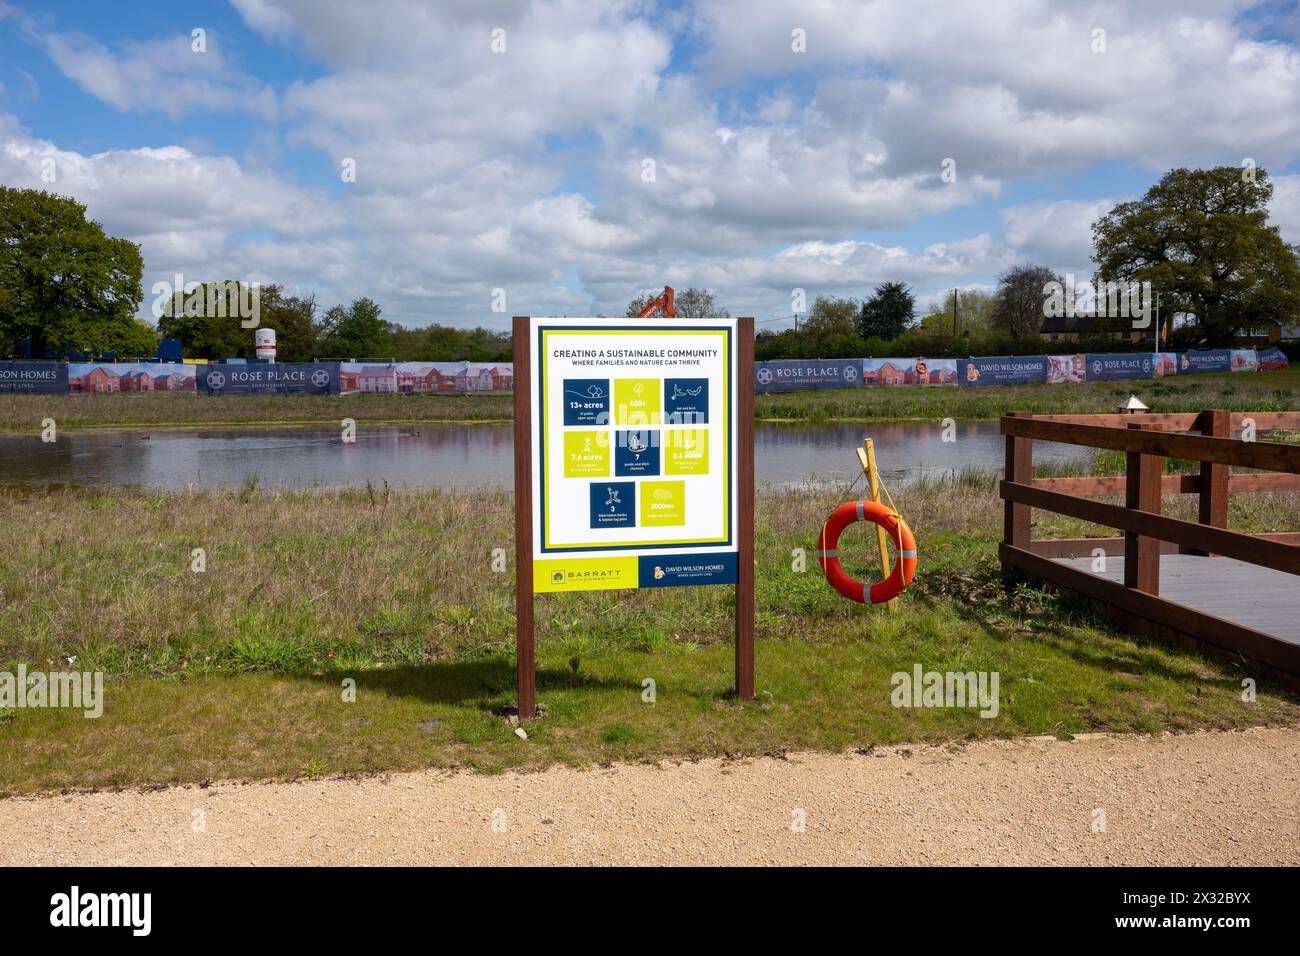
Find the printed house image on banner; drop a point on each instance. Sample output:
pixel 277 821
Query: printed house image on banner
pixel 414 378
pixel 140 377
pixel 379 379
pixel 898 371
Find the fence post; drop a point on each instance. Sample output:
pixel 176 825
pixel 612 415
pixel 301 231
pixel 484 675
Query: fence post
pixel 1217 423
pixel 1142 493
pixel 1020 469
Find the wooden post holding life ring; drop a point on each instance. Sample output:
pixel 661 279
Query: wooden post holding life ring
pixel 898 531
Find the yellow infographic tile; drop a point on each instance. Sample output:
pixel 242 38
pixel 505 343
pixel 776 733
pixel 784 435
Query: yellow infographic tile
pixel 637 402
pixel 686 451
pixel 663 503
pixel 586 454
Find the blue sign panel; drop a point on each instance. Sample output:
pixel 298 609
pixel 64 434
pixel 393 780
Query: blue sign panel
pixel 1112 366
pixel 33 378
pixel 1204 360
pixel 613 504
pixel 1002 370
pixel 672 570
pixel 636 452
pixel 686 401
pixel 586 401
pixel 299 378
pixel 790 375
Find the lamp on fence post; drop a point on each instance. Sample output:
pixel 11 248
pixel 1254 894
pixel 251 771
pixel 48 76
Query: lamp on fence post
pixel 1132 406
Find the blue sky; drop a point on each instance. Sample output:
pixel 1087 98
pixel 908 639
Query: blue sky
pixel 794 146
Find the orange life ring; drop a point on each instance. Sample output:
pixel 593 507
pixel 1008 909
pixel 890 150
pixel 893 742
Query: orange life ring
pixel 898 531
pixel 921 367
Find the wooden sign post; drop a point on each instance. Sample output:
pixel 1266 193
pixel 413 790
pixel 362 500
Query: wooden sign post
pixel 634 465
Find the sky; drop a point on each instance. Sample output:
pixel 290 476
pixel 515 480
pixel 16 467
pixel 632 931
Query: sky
pixel 468 160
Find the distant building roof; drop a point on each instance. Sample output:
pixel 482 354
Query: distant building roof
pixel 1069 323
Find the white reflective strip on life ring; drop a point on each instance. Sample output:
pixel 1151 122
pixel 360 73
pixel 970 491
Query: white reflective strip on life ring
pixel 861 505
pixel 907 554
pixel 828 554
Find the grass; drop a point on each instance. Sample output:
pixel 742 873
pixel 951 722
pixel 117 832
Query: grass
pixel 159 410
pixel 238 672
pixel 1270 391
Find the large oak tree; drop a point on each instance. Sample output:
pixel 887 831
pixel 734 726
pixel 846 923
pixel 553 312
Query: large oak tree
pixel 65 283
pixel 1201 238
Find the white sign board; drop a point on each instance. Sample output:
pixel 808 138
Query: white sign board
pixel 634 453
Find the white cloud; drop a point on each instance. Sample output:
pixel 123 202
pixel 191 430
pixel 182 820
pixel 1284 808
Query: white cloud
pixel 523 169
pixel 167 75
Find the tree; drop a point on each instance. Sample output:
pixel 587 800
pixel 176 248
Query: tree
pixel 691 303
pixel 888 313
pixel 357 331
pixel 831 329
pixel 1201 238
pixel 1018 301
pixel 67 284
pixel 208 318
pixel 974 313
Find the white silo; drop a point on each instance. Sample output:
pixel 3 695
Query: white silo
pixel 264 339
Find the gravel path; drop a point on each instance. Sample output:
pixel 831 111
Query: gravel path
pixel 1205 798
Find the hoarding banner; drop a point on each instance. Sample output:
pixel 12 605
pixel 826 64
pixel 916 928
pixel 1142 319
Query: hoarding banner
pixel 1002 370
pixel 1066 368
pixel 413 378
pixel 33 378
pixel 909 371
pixel 791 375
pixel 1204 360
pixel 1106 367
pixel 1164 363
pixel 634 475
pixel 106 378
pixel 297 378
pixel 1243 360
pixel 1272 360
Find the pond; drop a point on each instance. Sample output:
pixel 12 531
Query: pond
pixel 434 455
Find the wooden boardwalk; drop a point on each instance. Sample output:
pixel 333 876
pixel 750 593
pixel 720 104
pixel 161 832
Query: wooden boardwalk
pixel 1243 604
pixel 1246 594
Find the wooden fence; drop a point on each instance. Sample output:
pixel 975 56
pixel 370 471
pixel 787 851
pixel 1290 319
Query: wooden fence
pixel 1146 440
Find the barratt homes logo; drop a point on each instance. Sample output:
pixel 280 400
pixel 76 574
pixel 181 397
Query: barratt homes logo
pixel 216 381
pixel 130 910
pixel 562 575
pixel 320 378
pixel 764 376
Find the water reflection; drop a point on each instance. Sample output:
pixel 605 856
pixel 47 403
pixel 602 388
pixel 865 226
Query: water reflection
pixel 458 455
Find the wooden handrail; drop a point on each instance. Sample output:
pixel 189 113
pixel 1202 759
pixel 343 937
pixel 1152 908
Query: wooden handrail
pixel 1264 455
pixel 1178 421
pixel 1233 544
pixel 1146 441
pixel 1170 484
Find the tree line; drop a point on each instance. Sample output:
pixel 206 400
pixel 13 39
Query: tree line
pixel 209 321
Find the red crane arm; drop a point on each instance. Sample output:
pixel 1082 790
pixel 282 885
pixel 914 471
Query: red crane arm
pixel 663 301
